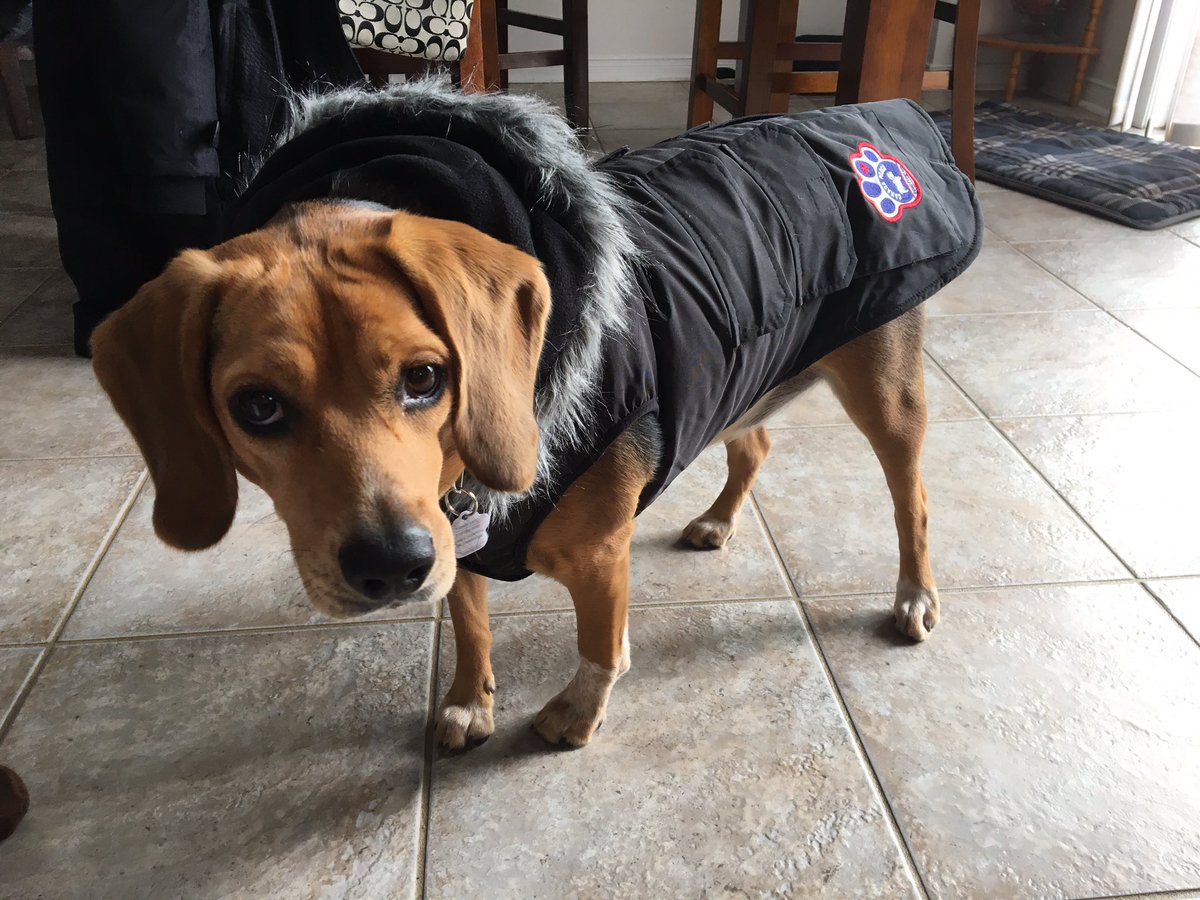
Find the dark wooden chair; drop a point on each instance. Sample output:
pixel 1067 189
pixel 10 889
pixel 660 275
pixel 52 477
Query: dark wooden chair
pixel 470 71
pixel 881 56
pixel 487 61
pixel 573 57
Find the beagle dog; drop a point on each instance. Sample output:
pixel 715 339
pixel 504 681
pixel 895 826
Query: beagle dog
pixel 357 360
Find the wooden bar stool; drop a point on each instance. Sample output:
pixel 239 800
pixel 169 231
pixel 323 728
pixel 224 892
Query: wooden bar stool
pixel 487 60
pixel 881 56
pixel 573 57
pixel 471 71
pixel 1019 45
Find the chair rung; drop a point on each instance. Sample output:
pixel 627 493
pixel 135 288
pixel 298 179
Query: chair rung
pixel 804 82
pixel 533 59
pixel 826 82
pixel 809 51
pixel 530 21
pixel 719 92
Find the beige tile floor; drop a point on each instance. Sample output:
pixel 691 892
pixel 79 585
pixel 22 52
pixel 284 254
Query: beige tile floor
pixel 188 726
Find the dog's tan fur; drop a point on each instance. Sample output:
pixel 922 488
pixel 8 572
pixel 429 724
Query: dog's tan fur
pixel 326 306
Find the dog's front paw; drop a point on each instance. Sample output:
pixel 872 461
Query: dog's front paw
pixel 571 718
pixel 708 532
pixel 463 722
pixel 917 609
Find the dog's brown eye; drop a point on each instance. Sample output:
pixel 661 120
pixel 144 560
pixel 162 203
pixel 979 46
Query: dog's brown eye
pixel 257 409
pixel 422 382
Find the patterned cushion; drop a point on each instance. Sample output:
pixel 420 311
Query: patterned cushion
pixel 1123 177
pixel 431 29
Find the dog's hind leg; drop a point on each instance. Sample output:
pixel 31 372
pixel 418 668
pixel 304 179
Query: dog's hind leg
pixel 745 455
pixel 880 381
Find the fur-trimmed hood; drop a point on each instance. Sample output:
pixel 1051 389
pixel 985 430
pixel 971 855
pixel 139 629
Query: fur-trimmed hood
pixel 547 165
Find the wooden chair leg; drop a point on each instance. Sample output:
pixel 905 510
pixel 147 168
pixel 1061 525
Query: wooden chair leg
pixel 1080 74
pixel 470 66
pixel 758 31
pixel 884 48
pixel 575 72
pixel 489 33
pixel 16 97
pixel 962 88
pixel 789 12
pixel 704 60
pixel 1014 70
pixel 501 43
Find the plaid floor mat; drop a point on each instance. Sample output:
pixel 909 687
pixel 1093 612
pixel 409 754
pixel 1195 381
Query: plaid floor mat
pixel 1129 179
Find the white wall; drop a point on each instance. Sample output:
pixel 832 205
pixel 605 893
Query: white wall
pixel 651 40
pixel 1100 82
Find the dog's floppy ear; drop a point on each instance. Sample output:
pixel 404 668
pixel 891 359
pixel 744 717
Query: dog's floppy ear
pixel 151 356
pixel 490 301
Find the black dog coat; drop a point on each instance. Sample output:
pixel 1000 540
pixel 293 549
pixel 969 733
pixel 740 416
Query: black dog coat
pixel 764 244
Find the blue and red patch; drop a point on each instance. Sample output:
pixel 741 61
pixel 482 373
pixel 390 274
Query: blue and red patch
pixel 885 181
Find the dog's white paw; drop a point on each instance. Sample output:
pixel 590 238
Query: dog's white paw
pixel 708 532
pixel 459 726
pixel 917 609
pixel 465 720
pixel 572 717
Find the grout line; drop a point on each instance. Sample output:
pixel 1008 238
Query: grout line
pixel 52 345
pixel 1170 894
pixel 1013 446
pixel 1140 235
pixel 1150 341
pixel 1159 601
pixel 238 632
pixel 430 751
pixel 27 459
pixel 77 594
pixel 560 610
pixel 985 314
pixel 8 715
pixel 856 740
pixel 1086 415
pixel 1111 314
pixel 848 424
pixel 41 284
pixel 101 552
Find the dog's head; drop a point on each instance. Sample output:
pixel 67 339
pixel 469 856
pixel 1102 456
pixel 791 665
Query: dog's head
pixel 350 362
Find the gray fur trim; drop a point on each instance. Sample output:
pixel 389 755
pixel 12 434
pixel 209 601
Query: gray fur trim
pixel 561 172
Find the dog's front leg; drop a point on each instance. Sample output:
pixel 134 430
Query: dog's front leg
pixel 598 579
pixel 466 713
pixel 584 545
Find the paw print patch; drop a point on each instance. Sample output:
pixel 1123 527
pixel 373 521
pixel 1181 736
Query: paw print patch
pixel 885 181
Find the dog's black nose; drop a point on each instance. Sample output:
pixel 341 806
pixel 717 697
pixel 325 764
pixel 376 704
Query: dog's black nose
pixel 389 566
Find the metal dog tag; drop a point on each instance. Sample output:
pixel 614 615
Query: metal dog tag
pixel 470 532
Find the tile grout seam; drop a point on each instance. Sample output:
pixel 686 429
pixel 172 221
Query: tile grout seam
pixel 1120 559
pixel 41 284
pixel 426 806
pixel 1111 314
pixel 1038 472
pixel 260 630
pixel 912 870
pixel 89 571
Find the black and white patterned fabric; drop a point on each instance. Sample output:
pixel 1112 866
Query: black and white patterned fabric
pixel 1123 177
pixel 431 29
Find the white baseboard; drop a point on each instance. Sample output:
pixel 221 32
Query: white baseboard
pixel 636 68
pixel 1098 97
